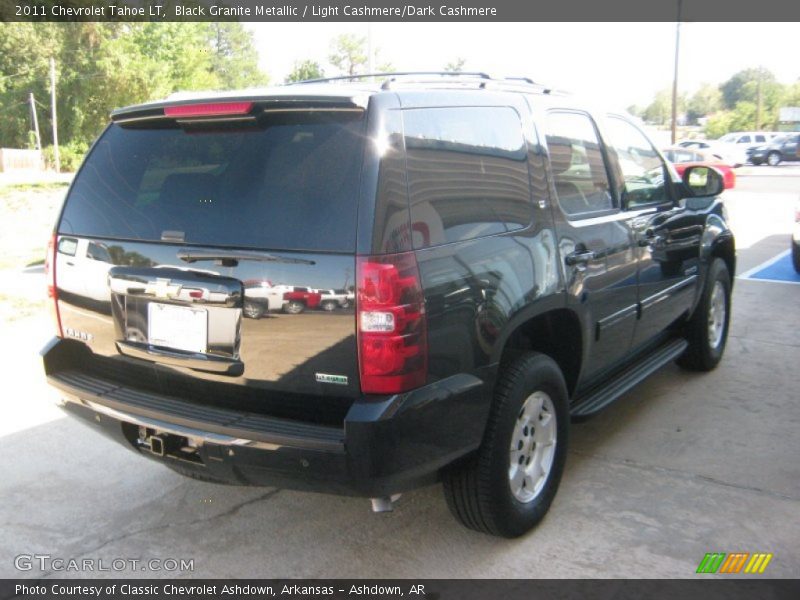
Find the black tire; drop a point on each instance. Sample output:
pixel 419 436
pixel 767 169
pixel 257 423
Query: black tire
pixel 796 256
pixel 702 355
pixel 774 159
pixel 294 307
pixel 477 490
pixel 329 305
pixel 194 474
pixel 253 310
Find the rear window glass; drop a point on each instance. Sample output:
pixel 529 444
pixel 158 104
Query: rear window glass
pixel 290 183
pixel 467 173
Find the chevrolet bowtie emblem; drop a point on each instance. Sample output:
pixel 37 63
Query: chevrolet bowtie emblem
pixel 161 288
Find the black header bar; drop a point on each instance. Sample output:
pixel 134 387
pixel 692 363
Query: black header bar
pixel 701 588
pixel 400 10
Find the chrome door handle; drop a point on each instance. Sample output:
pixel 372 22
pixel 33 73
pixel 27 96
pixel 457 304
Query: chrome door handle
pixel 650 239
pixel 579 257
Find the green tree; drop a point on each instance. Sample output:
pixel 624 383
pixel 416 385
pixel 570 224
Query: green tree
pixel 791 95
pixel 25 50
pixel 636 111
pixel 719 124
pixel 303 70
pixel 234 59
pixel 100 66
pixel 455 66
pixel 659 111
pixel 743 85
pixel 705 101
pixel 349 53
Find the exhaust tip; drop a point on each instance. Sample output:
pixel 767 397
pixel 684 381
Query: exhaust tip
pixel 384 503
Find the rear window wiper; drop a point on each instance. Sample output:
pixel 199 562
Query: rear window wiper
pixel 231 258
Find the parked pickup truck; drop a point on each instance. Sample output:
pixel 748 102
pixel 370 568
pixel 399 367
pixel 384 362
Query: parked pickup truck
pixel 333 299
pixel 260 297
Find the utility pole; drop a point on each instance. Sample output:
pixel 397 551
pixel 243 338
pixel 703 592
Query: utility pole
pixel 35 122
pixel 370 55
pixel 675 77
pixel 55 118
pixel 758 98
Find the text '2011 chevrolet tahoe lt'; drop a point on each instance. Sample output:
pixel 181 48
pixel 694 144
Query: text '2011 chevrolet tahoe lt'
pixel 516 260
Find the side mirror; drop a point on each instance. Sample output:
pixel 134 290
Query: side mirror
pixel 702 181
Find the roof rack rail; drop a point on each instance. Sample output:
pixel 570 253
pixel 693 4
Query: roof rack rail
pixel 479 77
pixel 477 74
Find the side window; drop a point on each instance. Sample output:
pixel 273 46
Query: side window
pixel 760 139
pixel 745 139
pixel 97 251
pixel 467 173
pixel 68 246
pixel 644 175
pixel 579 170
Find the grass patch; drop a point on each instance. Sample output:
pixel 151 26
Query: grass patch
pixel 48 186
pixel 13 308
pixel 29 259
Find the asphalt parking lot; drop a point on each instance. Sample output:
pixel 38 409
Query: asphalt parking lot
pixel 683 465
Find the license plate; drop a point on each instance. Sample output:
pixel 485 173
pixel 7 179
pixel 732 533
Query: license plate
pixel 179 327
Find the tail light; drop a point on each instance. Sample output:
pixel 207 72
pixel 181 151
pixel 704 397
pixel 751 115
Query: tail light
pixel 208 109
pixel 392 329
pixel 50 277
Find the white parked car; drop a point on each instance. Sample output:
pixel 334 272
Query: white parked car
pixel 82 267
pixel 731 154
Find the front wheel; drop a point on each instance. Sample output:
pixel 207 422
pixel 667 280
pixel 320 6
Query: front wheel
pixel 773 159
pixel 796 255
pixel 294 307
pixel 506 488
pixel 707 330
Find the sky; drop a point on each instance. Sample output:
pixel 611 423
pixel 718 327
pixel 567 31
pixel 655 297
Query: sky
pixel 619 63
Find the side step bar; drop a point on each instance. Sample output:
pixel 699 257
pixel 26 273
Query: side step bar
pixel 596 399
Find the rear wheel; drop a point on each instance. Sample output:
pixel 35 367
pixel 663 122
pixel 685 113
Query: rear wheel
pixel 293 307
pixel 773 159
pixel 506 488
pixel 707 330
pixel 253 310
pixel 796 255
pixel 329 305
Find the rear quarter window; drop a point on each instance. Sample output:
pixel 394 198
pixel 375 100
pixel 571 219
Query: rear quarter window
pixel 290 183
pixel 467 173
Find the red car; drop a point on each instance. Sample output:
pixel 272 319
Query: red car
pixel 689 157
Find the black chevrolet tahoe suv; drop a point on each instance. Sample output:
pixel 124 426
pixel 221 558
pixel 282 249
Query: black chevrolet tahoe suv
pixel 518 260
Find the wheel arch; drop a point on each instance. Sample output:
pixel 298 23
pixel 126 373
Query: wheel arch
pixel 556 333
pixel 718 242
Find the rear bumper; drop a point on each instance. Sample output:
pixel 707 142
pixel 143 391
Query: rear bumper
pixel 386 445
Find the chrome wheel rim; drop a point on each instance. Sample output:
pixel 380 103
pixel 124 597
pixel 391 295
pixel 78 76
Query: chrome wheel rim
pixel 716 315
pixel 533 446
pixel 773 159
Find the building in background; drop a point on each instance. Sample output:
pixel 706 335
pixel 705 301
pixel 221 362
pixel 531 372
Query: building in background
pixel 789 118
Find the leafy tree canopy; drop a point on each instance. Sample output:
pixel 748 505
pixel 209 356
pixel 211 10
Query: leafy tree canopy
pixel 101 66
